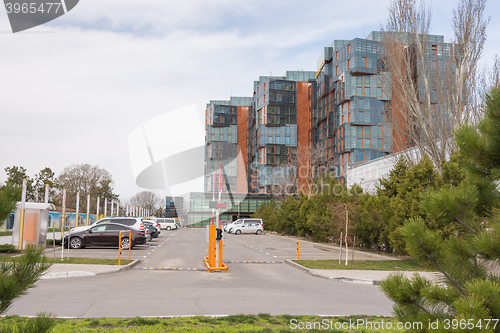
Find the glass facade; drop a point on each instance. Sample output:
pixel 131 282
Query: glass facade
pixel 239 205
pixel 272 132
pixel 221 139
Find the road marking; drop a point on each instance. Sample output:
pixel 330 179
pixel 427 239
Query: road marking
pixel 252 262
pixel 170 269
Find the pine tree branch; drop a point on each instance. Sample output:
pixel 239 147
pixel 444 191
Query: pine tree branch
pixel 477 154
pixel 431 258
pixel 456 218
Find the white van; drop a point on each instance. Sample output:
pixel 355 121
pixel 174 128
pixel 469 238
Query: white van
pixel 166 223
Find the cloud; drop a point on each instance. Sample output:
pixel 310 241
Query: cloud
pixel 74 89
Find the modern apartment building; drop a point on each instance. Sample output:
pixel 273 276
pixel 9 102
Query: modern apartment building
pixel 278 126
pixel 340 115
pixel 226 124
pixel 351 122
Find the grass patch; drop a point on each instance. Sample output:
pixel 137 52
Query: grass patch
pixel 262 323
pixel 72 260
pixel 373 265
pixel 6 233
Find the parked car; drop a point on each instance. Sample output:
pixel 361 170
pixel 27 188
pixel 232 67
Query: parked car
pixel 134 222
pixel 105 234
pixel 248 228
pixel 166 223
pixel 153 233
pixel 155 224
pixel 230 228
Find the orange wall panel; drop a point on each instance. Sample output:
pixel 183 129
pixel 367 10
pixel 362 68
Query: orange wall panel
pixel 303 126
pixel 242 124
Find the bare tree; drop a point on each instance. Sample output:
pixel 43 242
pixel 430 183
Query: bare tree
pixel 150 201
pixel 433 84
pixel 86 179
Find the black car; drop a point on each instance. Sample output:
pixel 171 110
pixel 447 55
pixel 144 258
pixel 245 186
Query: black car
pixel 105 234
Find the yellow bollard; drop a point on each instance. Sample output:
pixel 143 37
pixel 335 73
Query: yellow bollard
pixel 120 248
pixel 298 251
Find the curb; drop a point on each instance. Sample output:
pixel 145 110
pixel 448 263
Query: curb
pixel 339 279
pixel 63 275
pixel 122 269
pixel 335 247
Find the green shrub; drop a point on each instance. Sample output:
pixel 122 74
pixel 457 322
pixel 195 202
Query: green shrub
pixel 50 242
pixel 8 248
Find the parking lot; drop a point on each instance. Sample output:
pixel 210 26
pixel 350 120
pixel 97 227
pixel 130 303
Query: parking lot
pixel 173 281
pixel 187 251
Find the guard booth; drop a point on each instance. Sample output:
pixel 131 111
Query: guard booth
pixel 36 218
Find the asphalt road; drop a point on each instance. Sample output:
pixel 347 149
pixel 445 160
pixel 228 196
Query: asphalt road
pixel 154 288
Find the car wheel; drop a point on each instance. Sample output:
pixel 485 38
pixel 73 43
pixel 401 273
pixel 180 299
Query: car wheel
pixel 237 232
pixel 124 243
pixel 168 228
pixel 76 243
pixel 259 232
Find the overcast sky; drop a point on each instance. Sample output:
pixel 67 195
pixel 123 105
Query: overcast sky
pixel 74 89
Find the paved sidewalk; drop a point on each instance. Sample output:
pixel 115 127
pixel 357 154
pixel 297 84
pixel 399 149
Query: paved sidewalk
pixel 361 276
pixel 60 271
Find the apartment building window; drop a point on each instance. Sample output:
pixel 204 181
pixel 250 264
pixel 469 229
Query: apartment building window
pixel 379 92
pixel 287 140
pixel 367 130
pixel 380 131
pixel 361 103
pixel 367 92
pixel 264 86
pixel 360 143
pixel 336 56
pixel 264 99
pixel 360 130
pixel 348 48
pixel 348 63
pixel 277 140
pixel 364 61
pixel 380 143
pixel 287 130
pixel 257 90
pixel 361 116
pixel 434 49
pixel 367 143
pixel 336 71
